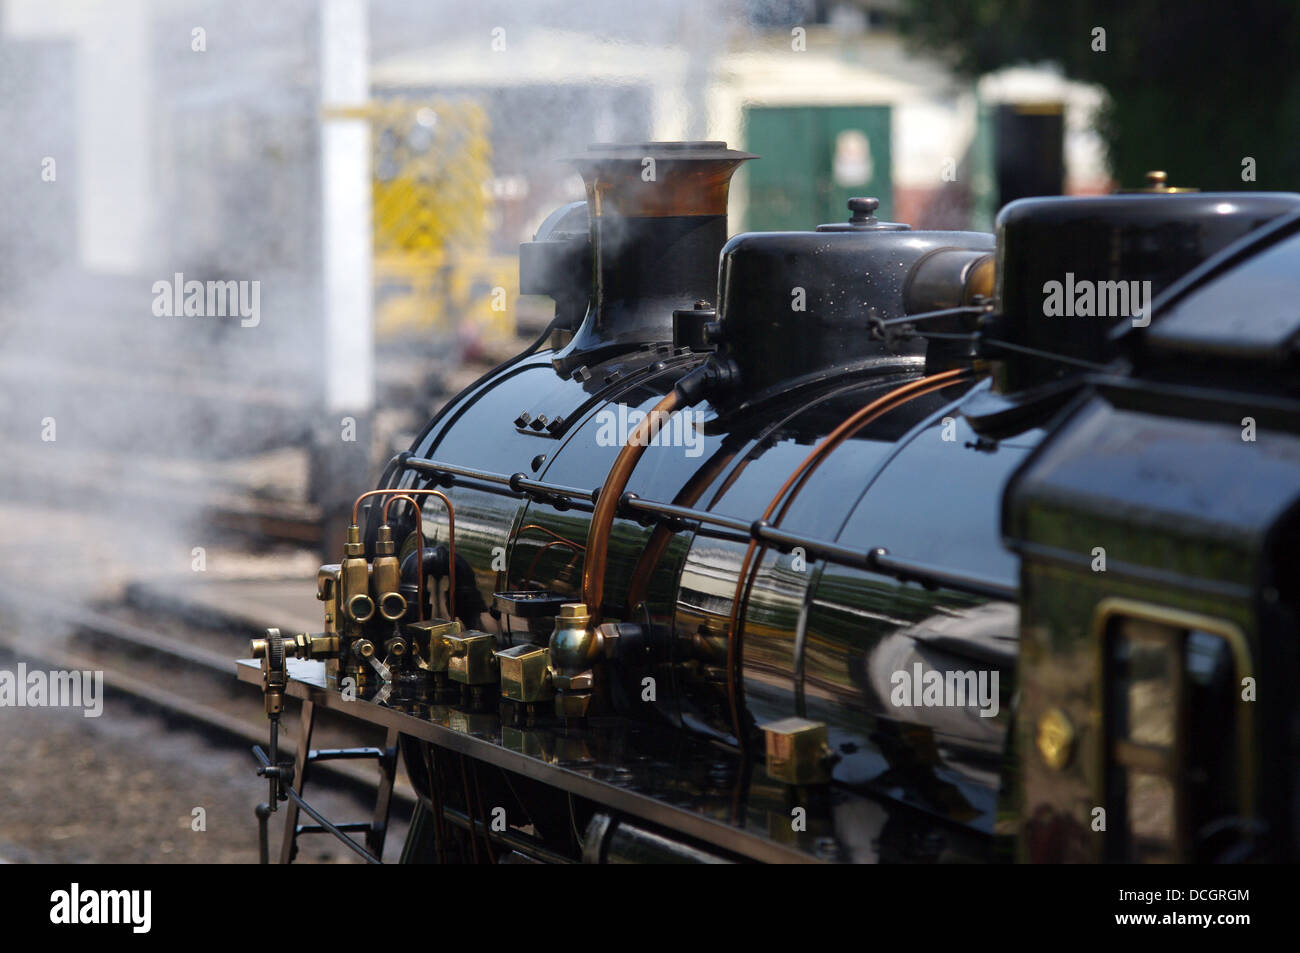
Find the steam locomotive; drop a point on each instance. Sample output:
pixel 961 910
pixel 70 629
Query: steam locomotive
pixel 858 544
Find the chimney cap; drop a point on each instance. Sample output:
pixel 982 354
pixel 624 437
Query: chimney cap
pixel 704 150
pixel 658 179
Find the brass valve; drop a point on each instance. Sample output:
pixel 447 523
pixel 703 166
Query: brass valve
pixel 301 646
pixel 275 650
pixel 574 644
pixel 275 670
pixel 354 579
pixel 575 648
pixel 387 577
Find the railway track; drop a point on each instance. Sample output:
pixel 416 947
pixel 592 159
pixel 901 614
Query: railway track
pixel 185 672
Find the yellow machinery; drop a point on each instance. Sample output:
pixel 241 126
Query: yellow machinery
pixel 434 270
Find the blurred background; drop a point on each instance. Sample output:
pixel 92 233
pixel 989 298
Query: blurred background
pixel 364 171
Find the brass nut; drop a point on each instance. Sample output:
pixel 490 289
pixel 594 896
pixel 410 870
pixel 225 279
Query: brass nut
pixel 573 705
pixel 582 682
pixel 575 613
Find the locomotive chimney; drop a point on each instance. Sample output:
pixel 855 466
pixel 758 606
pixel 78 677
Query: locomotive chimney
pixel 658 218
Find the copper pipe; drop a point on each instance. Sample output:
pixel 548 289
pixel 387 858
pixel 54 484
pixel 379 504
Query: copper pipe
pixel 356 504
pixel 551 533
pixel 846 429
pixel 829 448
pixel 419 550
pixel 451 534
pixel 772 427
pixel 451 542
pixel 556 540
pixel 538 555
pixel 602 517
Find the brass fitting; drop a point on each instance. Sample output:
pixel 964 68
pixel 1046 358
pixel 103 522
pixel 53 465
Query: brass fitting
pixel 275 671
pixel 575 648
pixel 525 673
pixel 315 646
pixel 327 591
pixel 354 575
pixel 473 660
pixel 432 643
pixel 575 645
pixel 573 704
pixel 387 577
pixel 798 751
pixel 431 651
pixel 302 645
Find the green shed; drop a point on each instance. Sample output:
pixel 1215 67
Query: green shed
pixel 814 159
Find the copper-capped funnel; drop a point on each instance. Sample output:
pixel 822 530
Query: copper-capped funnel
pixel 658 214
pixel 654 179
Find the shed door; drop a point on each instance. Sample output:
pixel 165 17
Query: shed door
pixel 814 158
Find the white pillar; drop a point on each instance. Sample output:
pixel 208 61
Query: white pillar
pixel 345 219
pixel 115 135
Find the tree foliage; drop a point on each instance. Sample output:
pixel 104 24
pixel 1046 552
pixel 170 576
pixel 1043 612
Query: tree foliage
pixel 1195 86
